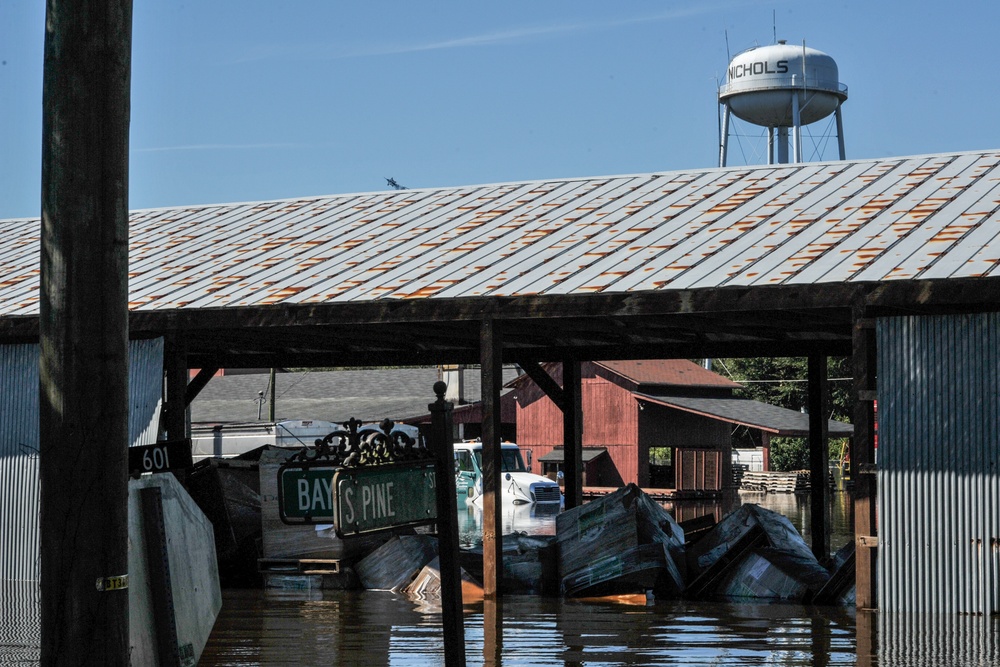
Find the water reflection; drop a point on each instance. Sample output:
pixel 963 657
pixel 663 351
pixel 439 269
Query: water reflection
pixel 314 627
pixel 345 627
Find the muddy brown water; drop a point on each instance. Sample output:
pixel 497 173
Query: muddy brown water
pixel 316 627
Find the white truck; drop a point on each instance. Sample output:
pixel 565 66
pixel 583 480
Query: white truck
pixel 518 485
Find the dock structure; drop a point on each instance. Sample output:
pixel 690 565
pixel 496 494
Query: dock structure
pixel 809 260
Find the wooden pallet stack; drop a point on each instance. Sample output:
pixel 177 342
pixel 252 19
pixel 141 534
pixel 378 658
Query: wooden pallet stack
pixel 775 482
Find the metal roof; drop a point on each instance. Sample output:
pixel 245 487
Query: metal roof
pixel 670 372
pixel 853 221
pixel 370 395
pixel 745 412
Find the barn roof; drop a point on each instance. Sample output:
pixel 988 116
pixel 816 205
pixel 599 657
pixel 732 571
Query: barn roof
pixel 668 372
pixel 745 412
pixel 609 267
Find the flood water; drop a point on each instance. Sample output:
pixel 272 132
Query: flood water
pixel 326 627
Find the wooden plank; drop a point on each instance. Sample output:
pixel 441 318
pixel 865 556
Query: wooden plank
pixel 573 434
pixel 863 369
pixel 819 456
pixel 491 347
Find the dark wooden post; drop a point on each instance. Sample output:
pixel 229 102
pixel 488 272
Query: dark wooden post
pixel 447 527
pixel 819 457
pixel 863 365
pixel 83 333
pixel 492 380
pixel 272 399
pixel 572 434
pixel 175 407
pixel 493 632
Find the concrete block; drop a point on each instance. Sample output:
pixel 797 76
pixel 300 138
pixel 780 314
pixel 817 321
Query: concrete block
pixel 194 573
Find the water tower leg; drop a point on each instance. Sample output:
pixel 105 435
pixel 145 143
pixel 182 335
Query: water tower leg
pixel 724 136
pixel 782 140
pixel 770 145
pixel 840 133
pixel 796 129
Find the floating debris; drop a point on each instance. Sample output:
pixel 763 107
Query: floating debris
pixel 621 543
pixel 754 553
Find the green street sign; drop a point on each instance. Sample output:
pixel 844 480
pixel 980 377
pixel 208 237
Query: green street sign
pixel 359 500
pixel 306 494
pixel 381 497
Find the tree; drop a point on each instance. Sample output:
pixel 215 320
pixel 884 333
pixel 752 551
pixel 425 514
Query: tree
pixel 783 381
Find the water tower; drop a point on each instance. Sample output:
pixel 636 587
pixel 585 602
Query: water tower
pixel 781 87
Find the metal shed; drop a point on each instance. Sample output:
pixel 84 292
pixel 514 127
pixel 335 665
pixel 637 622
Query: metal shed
pixel 798 260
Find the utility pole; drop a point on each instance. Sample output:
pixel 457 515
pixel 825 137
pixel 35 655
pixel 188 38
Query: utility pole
pixel 83 333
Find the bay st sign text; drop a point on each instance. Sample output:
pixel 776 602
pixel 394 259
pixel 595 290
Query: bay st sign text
pixel 358 500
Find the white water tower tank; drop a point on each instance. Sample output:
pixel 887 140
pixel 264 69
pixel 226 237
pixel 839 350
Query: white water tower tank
pixel 781 87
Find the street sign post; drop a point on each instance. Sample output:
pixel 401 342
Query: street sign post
pixel 359 500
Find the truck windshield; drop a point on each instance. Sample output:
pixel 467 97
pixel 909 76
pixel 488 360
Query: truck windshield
pixel 510 460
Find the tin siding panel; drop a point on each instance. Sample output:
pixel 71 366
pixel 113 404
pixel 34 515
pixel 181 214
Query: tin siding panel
pixel 18 463
pixel 19 443
pixel 145 388
pixel 939 450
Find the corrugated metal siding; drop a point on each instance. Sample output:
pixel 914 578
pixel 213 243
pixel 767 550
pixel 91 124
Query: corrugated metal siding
pixel 19 443
pixel 866 220
pixel 938 457
pixel 937 639
pixel 19 463
pixel 20 623
pixel 145 388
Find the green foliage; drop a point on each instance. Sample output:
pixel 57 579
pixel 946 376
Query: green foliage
pixel 783 381
pixel 789 454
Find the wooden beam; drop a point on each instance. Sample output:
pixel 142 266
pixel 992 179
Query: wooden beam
pixel 819 457
pixel 199 382
pixel 491 367
pixel 545 382
pixel 83 332
pixel 175 405
pixel 572 434
pixel 863 368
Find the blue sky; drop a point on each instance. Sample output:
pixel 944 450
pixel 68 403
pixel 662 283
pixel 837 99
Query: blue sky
pixel 254 100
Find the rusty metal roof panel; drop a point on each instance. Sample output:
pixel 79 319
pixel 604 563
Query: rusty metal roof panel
pixel 917 217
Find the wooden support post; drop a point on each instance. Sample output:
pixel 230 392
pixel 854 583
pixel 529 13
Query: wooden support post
pixel 158 572
pixel 493 632
pixel 819 457
pixel 272 396
pixel 863 365
pixel 175 406
pixel 83 333
pixel 572 434
pixel 492 380
pixel 765 441
pixel 447 526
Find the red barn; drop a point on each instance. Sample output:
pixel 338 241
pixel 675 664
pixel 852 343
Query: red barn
pixel 631 431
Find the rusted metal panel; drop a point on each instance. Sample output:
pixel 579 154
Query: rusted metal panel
pixel 939 464
pixel 864 220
